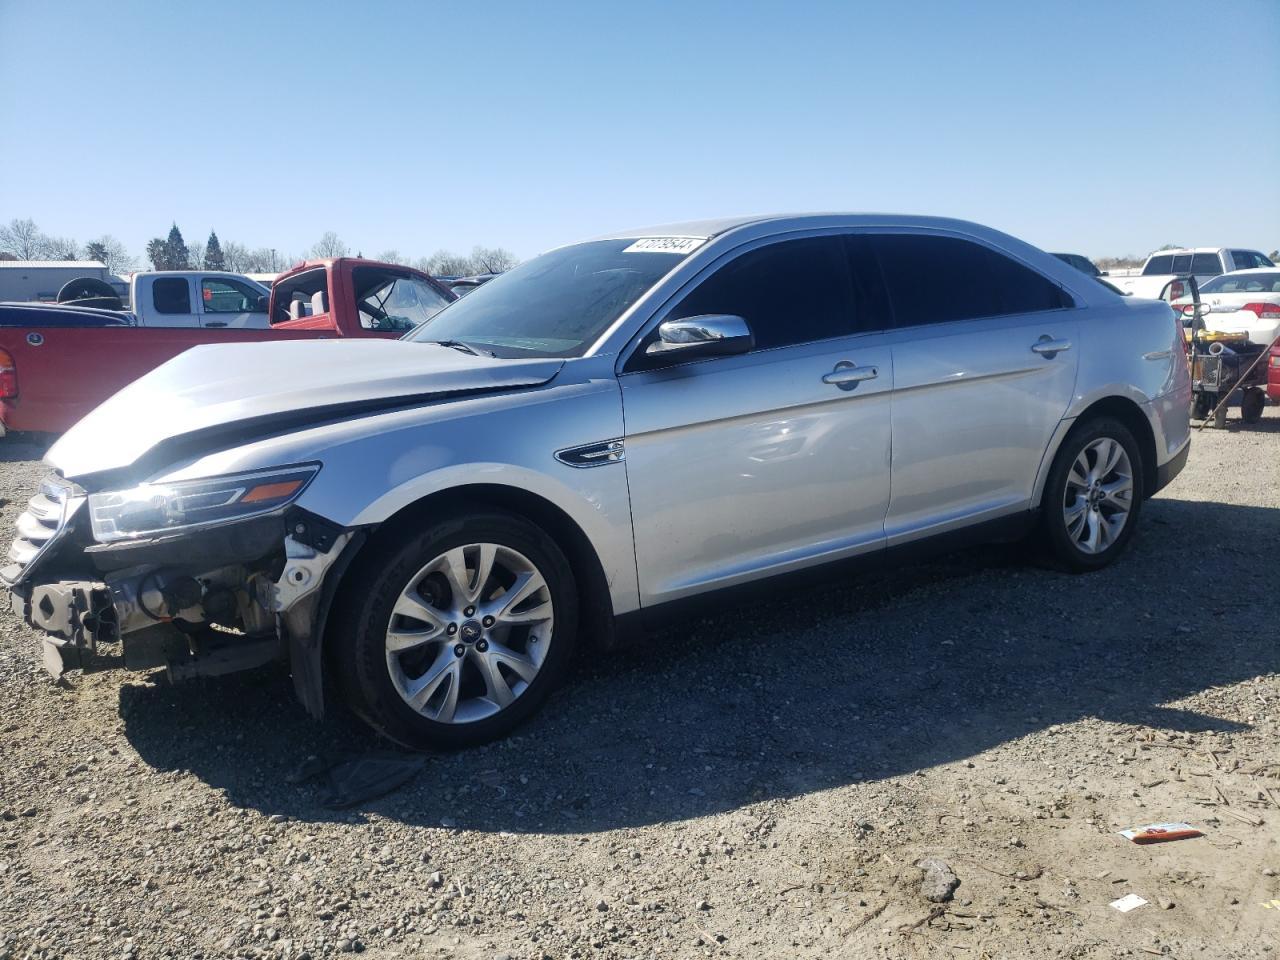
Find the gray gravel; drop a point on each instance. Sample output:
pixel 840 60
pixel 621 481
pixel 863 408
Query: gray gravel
pixel 759 784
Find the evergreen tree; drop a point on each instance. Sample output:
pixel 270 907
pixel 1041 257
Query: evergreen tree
pixel 176 249
pixel 158 254
pixel 213 258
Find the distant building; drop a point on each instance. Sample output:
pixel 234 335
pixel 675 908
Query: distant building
pixel 41 279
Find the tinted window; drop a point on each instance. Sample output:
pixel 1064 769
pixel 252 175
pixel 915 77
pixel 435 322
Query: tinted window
pixel 1206 264
pixel 1249 259
pixel 1181 263
pixel 792 292
pixel 228 296
pixel 558 304
pixel 1158 265
pixel 171 295
pixel 940 279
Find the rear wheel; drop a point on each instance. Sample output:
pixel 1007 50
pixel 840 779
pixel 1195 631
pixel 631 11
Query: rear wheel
pixel 457 634
pixel 1252 404
pixel 1093 495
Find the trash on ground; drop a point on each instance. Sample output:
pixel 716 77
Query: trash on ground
pixel 1161 832
pixel 354 779
pixel 1130 901
pixel 939 882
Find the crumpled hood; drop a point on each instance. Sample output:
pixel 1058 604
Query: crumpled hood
pixel 234 391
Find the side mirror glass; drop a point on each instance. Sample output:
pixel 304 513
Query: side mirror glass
pixel 710 335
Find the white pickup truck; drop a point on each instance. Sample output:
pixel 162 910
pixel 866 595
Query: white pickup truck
pixel 1203 263
pixel 178 298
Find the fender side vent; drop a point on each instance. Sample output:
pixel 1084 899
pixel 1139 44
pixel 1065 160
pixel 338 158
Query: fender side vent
pixel 593 454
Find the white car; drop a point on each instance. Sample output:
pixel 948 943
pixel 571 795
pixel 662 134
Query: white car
pixel 1243 301
pixel 1203 263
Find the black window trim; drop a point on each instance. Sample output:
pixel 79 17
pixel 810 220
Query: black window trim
pixel 662 311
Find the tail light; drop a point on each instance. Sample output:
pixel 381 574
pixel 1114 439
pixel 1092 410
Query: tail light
pixel 1265 311
pixel 8 376
pixel 1177 290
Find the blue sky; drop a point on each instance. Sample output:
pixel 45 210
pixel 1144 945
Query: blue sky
pixel 1102 128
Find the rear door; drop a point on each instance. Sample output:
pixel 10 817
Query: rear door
pixel 984 366
pixel 747 465
pixel 166 301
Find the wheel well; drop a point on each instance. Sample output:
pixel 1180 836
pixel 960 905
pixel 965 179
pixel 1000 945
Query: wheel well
pixel 1131 415
pixel 595 608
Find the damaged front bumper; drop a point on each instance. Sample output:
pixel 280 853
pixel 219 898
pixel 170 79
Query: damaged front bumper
pixel 203 603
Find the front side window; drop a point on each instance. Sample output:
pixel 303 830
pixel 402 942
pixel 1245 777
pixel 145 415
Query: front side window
pixel 171 295
pixel 558 304
pixel 941 279
pixel 228 296
pixel 394 302
pixel 796 291
pixel 1249 260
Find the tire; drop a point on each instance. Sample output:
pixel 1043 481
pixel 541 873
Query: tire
pixel 90 292
pixel 413 573
pixel 1201 406
pixel 1078 548
pixel 1252 404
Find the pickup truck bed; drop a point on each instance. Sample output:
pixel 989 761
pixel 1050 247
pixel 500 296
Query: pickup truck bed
pixel 57 362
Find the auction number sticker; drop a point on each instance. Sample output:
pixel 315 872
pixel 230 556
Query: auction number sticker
pixel 666 245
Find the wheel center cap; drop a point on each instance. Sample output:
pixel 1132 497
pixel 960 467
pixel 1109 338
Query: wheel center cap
pixel 470 631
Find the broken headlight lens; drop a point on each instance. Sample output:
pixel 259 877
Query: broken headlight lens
pixel 152 509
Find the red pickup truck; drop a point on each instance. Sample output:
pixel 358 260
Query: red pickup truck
pixel 59 362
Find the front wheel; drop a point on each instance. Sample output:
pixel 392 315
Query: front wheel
pixel 1093 495
pixel 454 636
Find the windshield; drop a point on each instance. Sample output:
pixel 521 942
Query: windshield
pixel 556 305
pixel 1268 282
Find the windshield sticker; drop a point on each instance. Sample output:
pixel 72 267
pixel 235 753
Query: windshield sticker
pixel 666 245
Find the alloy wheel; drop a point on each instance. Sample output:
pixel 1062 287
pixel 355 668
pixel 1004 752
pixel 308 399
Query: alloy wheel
pixel 1098 496
pixel 469 633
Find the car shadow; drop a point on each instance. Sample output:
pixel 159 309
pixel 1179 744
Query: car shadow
pixel 799 691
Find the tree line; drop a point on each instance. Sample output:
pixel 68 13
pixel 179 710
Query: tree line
pixel 22 239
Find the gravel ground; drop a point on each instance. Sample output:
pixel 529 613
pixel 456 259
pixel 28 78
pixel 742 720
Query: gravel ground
pixel 757 785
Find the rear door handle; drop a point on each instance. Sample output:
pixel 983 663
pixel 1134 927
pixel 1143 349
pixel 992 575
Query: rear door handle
pixel 847 375
pixel 1046 346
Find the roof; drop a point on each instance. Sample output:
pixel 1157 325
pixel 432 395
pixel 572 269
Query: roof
pixel 43 264
pixel 706 229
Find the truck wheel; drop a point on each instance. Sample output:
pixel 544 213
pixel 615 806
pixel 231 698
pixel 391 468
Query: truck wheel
pixel 1093 495
pixel 1252 404
pixel 453 636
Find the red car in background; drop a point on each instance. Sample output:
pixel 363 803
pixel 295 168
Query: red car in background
pixel 59 362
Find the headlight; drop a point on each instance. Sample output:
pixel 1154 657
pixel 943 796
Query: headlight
pixel 157 508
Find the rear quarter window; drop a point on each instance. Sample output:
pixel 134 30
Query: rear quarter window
pixel 171 295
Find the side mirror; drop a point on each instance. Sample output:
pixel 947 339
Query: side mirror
pixel 261 304
pixel 711 335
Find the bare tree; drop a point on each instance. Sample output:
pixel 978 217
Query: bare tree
pixel 392 256
pixel 111 252
pixel 493 259
pixel 61 248
pixel 23 239
pixel 445 263
pixel 235 257
pixel 329 246
pixel 195 254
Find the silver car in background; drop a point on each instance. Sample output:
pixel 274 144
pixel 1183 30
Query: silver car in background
pixel 439 525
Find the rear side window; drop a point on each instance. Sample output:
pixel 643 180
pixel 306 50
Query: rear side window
pixel 942 279
pixel 1206 265
pixel 171 295
pixel 1181 263
pixel 796 291
pixel 1158 265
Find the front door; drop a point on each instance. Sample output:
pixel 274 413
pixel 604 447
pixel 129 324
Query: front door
pixel 744 466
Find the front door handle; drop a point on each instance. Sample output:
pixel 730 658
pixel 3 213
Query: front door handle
pixel 216 323
pixel 847 375
pixel 1046 346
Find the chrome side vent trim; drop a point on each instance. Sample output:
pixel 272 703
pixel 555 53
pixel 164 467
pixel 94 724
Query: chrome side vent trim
pixel 593 454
